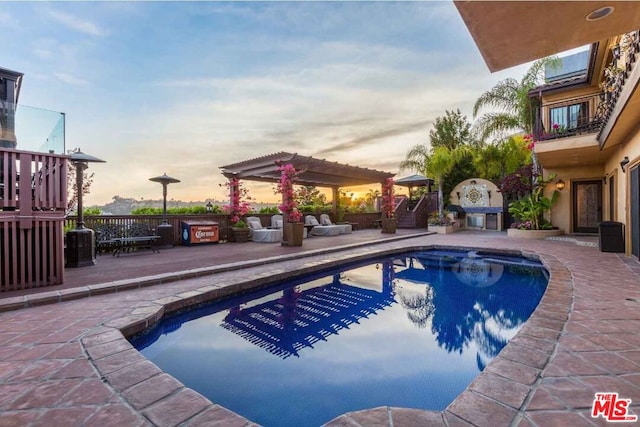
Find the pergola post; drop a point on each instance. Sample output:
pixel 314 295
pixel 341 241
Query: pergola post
pixel 285 201
pixel 234 191
pixel 336 201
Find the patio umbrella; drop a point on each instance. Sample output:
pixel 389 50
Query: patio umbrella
pixel 416 180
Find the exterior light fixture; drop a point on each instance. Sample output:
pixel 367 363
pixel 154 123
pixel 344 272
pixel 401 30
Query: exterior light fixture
pixel 560 185
pixel 81 240
pixel 165 230
pixel 600 13
pixel 472 182
pixel 458 194
pixel 623 163
pixel 209 207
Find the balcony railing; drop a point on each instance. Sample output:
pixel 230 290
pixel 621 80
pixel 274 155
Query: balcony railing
pixel 618 71
pixel 31 129
pixel 589 125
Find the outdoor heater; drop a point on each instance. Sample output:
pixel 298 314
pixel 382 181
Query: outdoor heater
pixel 165 230
pixel 81 241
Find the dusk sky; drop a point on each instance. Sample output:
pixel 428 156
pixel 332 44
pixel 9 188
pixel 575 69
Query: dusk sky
pixel 187 87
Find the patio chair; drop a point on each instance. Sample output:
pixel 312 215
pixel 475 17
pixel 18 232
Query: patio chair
pixel 276 221
pixel 321 230
pixel 344 228
pixel 258 233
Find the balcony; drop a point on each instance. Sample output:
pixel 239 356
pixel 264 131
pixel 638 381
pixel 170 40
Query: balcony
pixel 33 196
pixel 572 135
pixel 582 130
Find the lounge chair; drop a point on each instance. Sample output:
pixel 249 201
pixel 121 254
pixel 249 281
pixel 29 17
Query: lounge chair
pixel 321 230
pixel 258 233
pixel 276 221
pixel 344 228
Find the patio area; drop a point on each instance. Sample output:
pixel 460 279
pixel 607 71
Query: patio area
pixel 63 360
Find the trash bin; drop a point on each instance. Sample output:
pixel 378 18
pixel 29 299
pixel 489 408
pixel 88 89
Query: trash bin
pixel 199 232
pixel 611 236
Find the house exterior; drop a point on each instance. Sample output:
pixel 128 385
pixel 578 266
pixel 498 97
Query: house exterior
pixel 587 124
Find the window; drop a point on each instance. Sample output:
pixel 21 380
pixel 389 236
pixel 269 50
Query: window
pixel 569 116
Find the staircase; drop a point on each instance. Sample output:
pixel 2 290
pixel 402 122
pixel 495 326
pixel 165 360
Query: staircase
pixel 416 217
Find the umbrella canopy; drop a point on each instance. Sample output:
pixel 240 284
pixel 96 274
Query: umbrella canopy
pixel 164 179
pixel 79 156
pixel 413 181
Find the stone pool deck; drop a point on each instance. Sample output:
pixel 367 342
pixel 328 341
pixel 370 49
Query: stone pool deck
pixel 64 361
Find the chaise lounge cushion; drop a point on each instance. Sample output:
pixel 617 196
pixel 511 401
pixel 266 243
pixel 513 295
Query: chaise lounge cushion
pixel 258 233
pixel 321 230
pixel 344 228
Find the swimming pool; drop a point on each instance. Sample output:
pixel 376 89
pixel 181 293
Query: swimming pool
pixel 409 330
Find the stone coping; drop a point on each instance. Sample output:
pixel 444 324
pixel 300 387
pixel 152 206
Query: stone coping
pixel 495 396
pixel 55 296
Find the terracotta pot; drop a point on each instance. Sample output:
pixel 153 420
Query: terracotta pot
pixel 293 234
pixel 388 225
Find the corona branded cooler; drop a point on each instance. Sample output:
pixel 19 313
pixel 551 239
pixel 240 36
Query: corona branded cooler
pixel 199 232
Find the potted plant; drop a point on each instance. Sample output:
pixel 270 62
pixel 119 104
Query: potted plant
pixel 532 211
pixel 238 207
pixel 293 228
pixel 240 231
pixel 441 225
pixel 388 222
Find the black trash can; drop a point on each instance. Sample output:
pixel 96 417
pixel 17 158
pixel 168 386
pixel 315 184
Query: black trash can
pixel 611 236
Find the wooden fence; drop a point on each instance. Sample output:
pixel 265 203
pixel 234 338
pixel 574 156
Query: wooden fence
pixel 32 209
pixel 364 220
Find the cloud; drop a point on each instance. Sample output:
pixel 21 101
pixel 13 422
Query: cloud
pixel 365 140
pixel 77 24
pixel 70 79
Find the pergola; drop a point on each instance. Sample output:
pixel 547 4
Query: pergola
pixel 311 171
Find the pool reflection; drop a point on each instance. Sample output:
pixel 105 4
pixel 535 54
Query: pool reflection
pixel 410 331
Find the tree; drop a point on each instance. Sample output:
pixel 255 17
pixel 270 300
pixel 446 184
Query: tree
pixel 495 161
pixel 309 195
pixel 451 133
pixel 515 109
pixel 451 130
pixel 436 162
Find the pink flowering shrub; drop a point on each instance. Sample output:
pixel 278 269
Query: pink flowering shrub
pixel 239 205
pixel 524 225
pixel 289 206
pixel 388 199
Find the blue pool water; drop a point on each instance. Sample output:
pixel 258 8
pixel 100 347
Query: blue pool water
pixel 410 330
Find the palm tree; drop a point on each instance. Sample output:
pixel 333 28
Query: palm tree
pixel 495 161
pixel 510 97
pixel 436 162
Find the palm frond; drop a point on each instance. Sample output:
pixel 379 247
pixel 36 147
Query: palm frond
pixel 503 95
pixel 497 124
